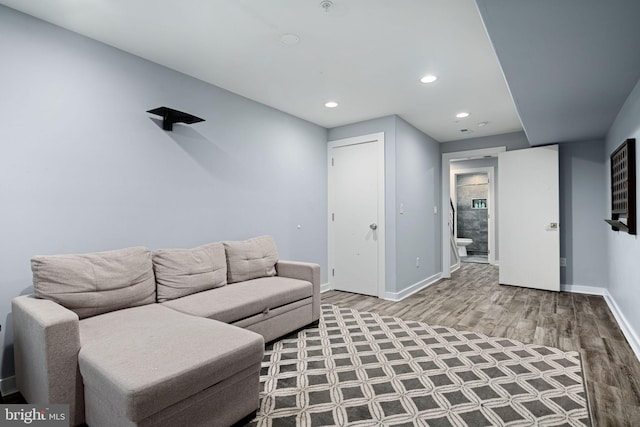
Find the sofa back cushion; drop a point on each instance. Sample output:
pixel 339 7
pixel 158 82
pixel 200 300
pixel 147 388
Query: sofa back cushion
pixel 251 259
pixel 181 272
pixel 96 283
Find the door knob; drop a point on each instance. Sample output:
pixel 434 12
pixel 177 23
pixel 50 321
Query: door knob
pixel 373 226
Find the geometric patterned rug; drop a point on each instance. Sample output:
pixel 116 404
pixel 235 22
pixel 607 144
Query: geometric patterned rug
pixel 363 369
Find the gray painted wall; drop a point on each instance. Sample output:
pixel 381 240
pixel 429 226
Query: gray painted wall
pixel 623 248
pixel 84 168
pixel 412 166
pixel 582 227
pixel 418 189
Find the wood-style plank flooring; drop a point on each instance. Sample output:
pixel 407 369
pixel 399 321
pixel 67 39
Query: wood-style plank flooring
pixel 472 300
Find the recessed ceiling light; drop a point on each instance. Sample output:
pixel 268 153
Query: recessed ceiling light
pixel 289 39
pixel 331 104
pixel 429 78
pixel 326 5
pixel 482 124
pixel 462 115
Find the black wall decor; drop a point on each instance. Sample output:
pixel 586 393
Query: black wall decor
pixel 171 116
pixel 623 188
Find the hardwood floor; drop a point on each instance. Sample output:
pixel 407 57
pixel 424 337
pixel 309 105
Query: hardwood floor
pixel 472 300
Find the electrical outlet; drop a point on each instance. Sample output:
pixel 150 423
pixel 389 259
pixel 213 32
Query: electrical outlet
pixel 563 262
pixel 418 262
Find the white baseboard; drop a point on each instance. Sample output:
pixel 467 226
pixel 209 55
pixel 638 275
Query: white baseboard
pixel 325 287
pixel 8 386
pixel 455 267
pixel 627 330
pixel 399 296
pixel 589 290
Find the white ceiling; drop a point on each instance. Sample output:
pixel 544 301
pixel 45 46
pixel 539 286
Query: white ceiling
pixel 368 55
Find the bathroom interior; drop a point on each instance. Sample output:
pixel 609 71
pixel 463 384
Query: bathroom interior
pixel 472 197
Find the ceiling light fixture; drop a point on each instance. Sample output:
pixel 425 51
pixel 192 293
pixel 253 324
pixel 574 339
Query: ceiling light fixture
pixel 462 115
pixel 331 104
pixel 429 78
pixel 482 124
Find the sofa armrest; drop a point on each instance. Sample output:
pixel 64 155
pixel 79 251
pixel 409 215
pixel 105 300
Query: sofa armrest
pixel 46 344
pixel 303 271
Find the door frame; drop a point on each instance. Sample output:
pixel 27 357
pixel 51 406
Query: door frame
pixel 379 139
pixel 491 231
pixel 446 192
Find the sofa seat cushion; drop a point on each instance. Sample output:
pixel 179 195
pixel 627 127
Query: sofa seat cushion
pixel 243 299
pixel 147 358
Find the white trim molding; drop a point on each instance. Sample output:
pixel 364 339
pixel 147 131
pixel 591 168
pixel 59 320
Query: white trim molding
pixel 416 287
pixel 325 287
pixel 626 328
pixel 589 290
pixel 8 386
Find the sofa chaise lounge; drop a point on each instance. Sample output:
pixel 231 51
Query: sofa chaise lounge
pixel 173 337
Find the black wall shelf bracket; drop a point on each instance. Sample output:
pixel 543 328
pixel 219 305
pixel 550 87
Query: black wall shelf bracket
pixel 171 116
pixel 617 225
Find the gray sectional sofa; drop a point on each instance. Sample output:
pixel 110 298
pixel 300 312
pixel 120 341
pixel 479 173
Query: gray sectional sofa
pixel 173 337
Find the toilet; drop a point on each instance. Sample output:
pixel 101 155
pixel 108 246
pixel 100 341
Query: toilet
pixel 462 244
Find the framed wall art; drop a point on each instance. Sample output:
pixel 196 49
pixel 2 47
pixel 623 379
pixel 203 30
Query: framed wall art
pixel 623 188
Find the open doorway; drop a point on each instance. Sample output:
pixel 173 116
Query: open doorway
pixel 449 247
pixel 474 202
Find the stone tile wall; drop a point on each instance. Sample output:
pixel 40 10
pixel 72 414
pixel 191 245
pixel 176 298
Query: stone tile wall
pixel 472 223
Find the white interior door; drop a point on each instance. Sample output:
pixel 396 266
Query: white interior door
pixel 529 211
pixel 355 223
